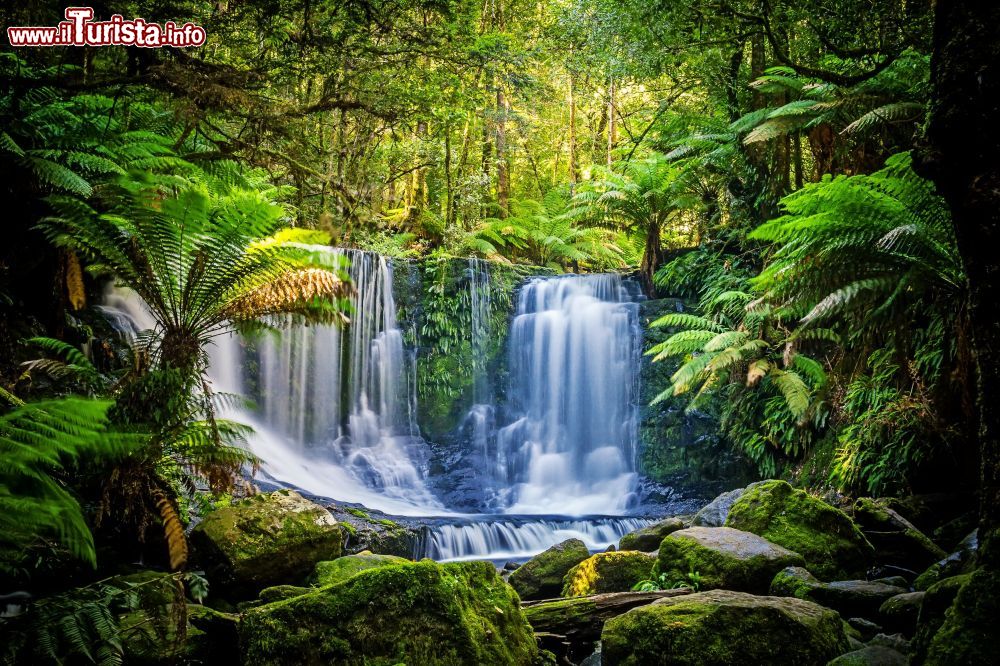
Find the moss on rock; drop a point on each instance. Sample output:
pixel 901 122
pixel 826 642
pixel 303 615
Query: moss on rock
pixel 969 633
pixel 608 572
pixel 722 627
pixel 832 545
pixel 724 558
pixel 848 597
pixel 281 592
pixel 939 598
pixel 334 571
pixel 266 540
pixel 415 613
pixel 896 540
pixel 648 538
pixel 542 576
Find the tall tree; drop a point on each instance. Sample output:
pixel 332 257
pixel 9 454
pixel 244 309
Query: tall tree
pixel 960 155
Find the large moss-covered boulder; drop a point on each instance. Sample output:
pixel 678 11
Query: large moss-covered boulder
pixel 848 597
pixel 714 513
pixel 416 613
pixel 541 577
pixel 899 613
pixel 265 540
pixel 969 633
pixel 896 540
pixel 939 598
pixel 723 558
pixel 329 572
pixel 832 545
pixel 724 628
pixel 608 572
pixel 649 538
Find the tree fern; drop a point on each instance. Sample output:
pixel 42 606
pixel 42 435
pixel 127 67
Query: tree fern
pixel 39 443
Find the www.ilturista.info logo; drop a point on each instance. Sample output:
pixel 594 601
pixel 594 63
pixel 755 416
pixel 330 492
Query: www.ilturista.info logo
pixel 80 30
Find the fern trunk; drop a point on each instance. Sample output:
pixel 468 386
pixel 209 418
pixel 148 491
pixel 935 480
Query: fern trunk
pixel 650 258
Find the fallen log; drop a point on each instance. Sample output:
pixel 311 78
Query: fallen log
pixel 581 619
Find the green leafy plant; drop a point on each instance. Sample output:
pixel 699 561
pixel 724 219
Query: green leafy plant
pixel 40 442
pixel 692 581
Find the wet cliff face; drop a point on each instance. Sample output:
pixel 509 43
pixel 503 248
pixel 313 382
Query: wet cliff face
pixel 455 316
pixel 683 450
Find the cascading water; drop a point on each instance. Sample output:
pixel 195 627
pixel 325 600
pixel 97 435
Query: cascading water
pixel 336 409
pixel 341 401
pixel 512 539
pixel 574 352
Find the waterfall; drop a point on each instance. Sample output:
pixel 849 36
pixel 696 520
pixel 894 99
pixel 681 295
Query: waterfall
pixel 511 539
pixel 570 445
pixel 336 405
pixel 344 399
pixel 335 411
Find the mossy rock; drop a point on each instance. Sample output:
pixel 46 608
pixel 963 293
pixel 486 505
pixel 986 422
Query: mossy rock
pixel 899 613
pixel 848 597
pixel 648 538
pixel 542 576
pixel 342 568
pixel 723 557
pixel 281 592
pixel 939 598
pixel 724 628
pixel 871 655
pixel 608 572
pixel 969 633
pixel 962 561
pixel 896 540
pixel 266 540
pixel 415 613
pixel 832 545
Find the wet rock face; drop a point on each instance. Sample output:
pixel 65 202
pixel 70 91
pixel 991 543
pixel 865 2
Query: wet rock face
pixel 369 530
pixel 415 613
pixel 723 557
pixel 541 577
pixel 832 545
pixel 265 540
pixel 679 448
pixel 721 627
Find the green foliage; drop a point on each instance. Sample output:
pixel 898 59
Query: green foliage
pixel 664 582
pixel 546 234
pixel 40 443
pixel 865 260
pixel 891 428
pixel 872 246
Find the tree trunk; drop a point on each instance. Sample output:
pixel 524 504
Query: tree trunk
pixel 503 168
pixel 572 131
pixel 612 124
pixel 960 155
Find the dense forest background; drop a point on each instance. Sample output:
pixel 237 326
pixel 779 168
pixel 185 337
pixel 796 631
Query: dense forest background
pixel 767 160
